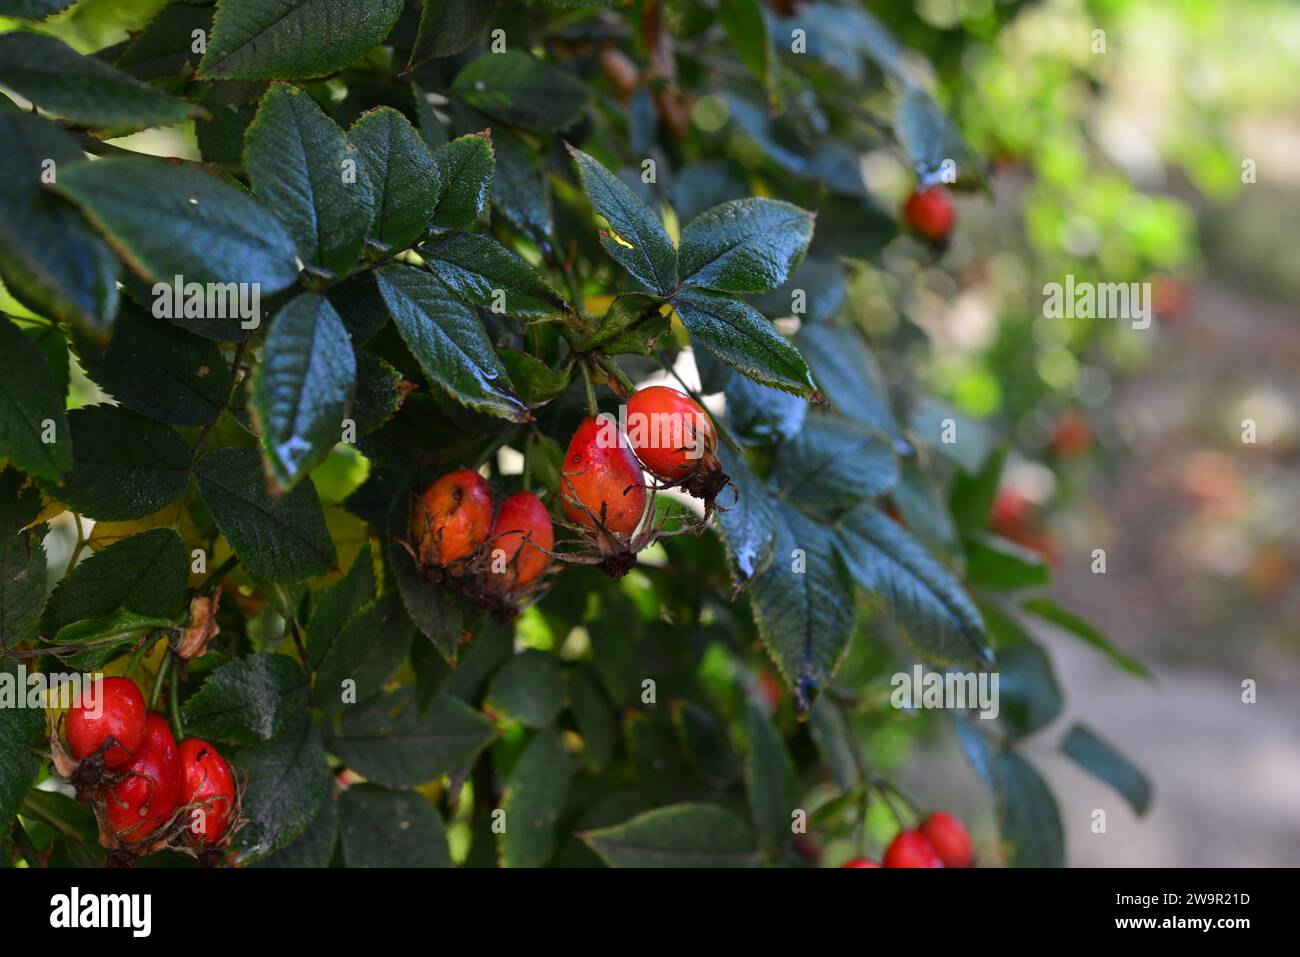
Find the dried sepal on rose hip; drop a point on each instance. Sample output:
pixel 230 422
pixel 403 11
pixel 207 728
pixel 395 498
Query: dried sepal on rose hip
pixel 202 628
pixel 676 442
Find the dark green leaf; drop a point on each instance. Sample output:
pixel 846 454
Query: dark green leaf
pixel 22 729
pixel 594 718
pixel 85 89
pixel 993 562
pixel 533 378
pixel 449 342
pixel 159 370
pixel 534 797
pixel 769 780
pixel 637 239
pixel 404 181
pixel 169 220
pixel 972 495
pixel 520 90
pixel 704 740
pixel 834 464
pixel 380 392
pixel 926 601
pixel 923 509
pixel 359 303
pixel 165 47
pixel 100 640
pixel 146 574
pixel 289 39
pixel 296 159
pixel 50 258
pixel 958 438
pixel 253 699
pixel 302 387
pixel 683 835
pixel 849 375
pixel 388 741
pixel 31 408
pixel 747 526
pixel 1097 757
pixel 124 466
pixel 465 169
pixel 521 189
pixel 383 828
pixel 281 539
pixel 633 318
pixel 337 604
pixel 740 336
pixel 288 778
pixel 529 689
pixel 33 9
pixel 22 560
pixel 761 413
pixel 1068 621
pixel 314 847
pixel 484 273
pixel 803 605
pixel 433 611
pixel 747 31
pixel 448 27
pixel 1028 697
pixel 835 741
pixel 367 652
pixel 930 139
pixel 745 245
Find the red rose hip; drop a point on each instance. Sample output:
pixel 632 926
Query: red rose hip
pixel 452 518
pixel 602 482
pixel 206 783
pixel 117 711
pixel 859 862
pixel 910 849
pixel 523 531
pixel 675 440
pixel 145 797
pixel 929 213
pixel 948 837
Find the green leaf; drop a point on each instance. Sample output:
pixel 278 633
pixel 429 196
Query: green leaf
pixel 287 780
pixel 803 605
pixel 380 392
pixel 972 495
pixel 432 610
pixel 705 742
pixel 336 605
pixel 922 507
pixel 449 342
pixel 368 651
pixel 383 828
pixel 1028 817
pixel 683 835
pixel 281 539
pixel 1069 622
pixel 517 88
pixel 1101 760
pixel 637 239
pixel 963 441
pixel 291 39
pixel 740 336
pixel 769 780
pixel 849 375
pixel 31 409
pixel 594 719
pixel 249 700
pixel 22 560
pixel 484 273
pixel 84 89
pixel 314 847
pixel 993 562
pixel 404 180
pixel 631 324
pixel 835 741
pixel 930 138
pixel 33 9
pixel 521 189
pixel 359 304
pixel 168 220
pixel 747 525
pixel 302 387
pixel 533 800
pixel 761 413
pixel 50 258
pixel 747 30
pixel 159 370
pixel 295 156
pixel 834 464
pixel 165 47
pixel 529 689
pixel 448 27
pixel 924 599
pixel 103 639
pixel 23 732
pixel 146 574
pixel 1027 693
pixel 465 170
pixel 533 378
pixel 745 245
pixel 124 466
pixel 388 740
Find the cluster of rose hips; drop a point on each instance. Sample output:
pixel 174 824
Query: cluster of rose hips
pixel 148 792
pixel 940 841
pixel 498 560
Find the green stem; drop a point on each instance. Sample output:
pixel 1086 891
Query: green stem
pixel 174 705
pixel 23 841
pixel 612 367
pixel 76 549
pixel 159 678
pixel 210 583
pixel 592 408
